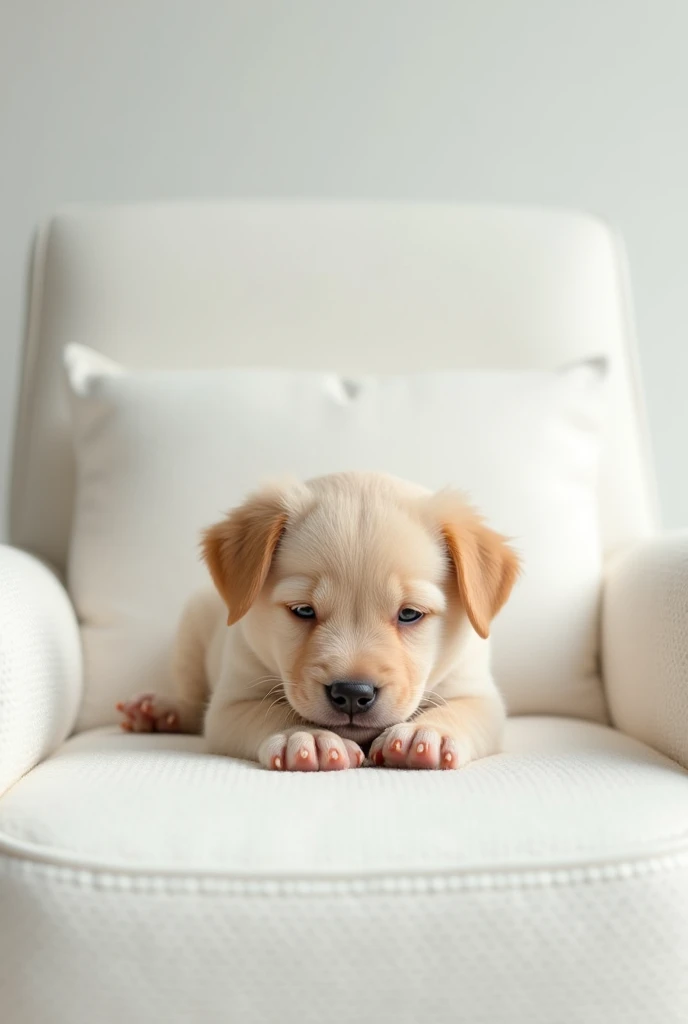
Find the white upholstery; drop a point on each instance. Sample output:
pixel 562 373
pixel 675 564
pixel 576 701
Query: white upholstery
pixel 161 454
pixel 351 287
pixel 141 880
pixel 158 804
pixel 547 884
pixel 645 643
pixel 40 664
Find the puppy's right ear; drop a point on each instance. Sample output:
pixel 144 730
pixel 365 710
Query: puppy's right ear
pixel 239 550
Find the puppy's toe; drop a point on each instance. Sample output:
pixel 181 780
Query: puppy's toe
pixel 356 755
pixel 273 752
pixel 449 754
pixel 168 720
pixel 134 717
pixel 397 744
pixel 302 755
pixel 424 751
pixel 332 753
pixel 141 722
pixel 391 748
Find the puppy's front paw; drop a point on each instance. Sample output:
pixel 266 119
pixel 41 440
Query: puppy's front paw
pixel 149 713
pixel 412 746
pixel 301 750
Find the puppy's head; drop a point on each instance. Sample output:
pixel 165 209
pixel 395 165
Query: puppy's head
pixel 356 589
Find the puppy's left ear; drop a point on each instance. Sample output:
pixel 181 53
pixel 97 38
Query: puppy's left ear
pixel 486 567
pixel 239 550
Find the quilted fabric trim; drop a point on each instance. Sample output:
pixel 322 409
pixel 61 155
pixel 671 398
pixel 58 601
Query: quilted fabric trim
pixel 21 859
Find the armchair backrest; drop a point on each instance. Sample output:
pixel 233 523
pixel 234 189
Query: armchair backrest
pixel 357 287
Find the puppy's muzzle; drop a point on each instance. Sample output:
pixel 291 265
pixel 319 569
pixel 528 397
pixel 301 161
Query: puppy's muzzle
pixel 352 696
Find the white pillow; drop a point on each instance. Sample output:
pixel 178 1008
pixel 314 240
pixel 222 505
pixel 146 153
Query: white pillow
pixel 162 454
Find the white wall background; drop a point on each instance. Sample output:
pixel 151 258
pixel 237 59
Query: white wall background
pixel 532 101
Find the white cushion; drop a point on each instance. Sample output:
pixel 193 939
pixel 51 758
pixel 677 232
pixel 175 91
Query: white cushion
pixel 558 795
pixel 141 879
pixel 161 455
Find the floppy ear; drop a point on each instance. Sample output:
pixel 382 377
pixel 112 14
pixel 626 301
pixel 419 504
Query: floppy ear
pixel 239 550
pixel 486 567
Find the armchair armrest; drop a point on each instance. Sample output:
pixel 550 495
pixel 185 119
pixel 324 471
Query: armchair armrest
pixel 645 644
pixel 40 664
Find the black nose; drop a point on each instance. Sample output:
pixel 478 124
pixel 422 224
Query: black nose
pixel 352 696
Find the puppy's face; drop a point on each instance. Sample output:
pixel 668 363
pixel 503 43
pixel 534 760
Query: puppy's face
pixel 356 588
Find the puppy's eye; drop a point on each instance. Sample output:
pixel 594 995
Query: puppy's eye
pixel 407 615
pixel 303 611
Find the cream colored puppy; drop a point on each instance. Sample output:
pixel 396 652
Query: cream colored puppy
pixel 351 613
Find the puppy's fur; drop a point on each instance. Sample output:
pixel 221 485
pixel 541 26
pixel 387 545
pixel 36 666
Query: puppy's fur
pixel 354 549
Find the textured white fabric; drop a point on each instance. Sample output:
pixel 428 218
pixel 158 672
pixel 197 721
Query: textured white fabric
pixel 345 287
pixel 157 803
pixel 40 664
pixel 88 947
pixel 161 455
pixel 645 643
pixel 547 884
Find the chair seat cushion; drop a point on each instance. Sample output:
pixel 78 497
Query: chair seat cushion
pixel 565 792
pixel 142 880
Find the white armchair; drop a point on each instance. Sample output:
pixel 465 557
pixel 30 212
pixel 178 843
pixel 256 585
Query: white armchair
pixel 141 879
pixel 40 664
pixel 645 643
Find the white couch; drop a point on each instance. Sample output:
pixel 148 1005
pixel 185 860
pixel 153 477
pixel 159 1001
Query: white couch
pixel 141 880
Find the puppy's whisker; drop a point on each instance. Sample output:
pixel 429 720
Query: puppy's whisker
pixel 429 703
pixel 431 699
pixel 280 702
pixel 428 707
pixel 265 679
pixel 268 709
pixel 270 693
pixel 277 688
pixel 292 713
pixel 435 699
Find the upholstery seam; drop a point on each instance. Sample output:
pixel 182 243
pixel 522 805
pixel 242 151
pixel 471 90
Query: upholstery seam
pixel 101 876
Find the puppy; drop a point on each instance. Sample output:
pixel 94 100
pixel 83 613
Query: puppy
pixel 351 614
